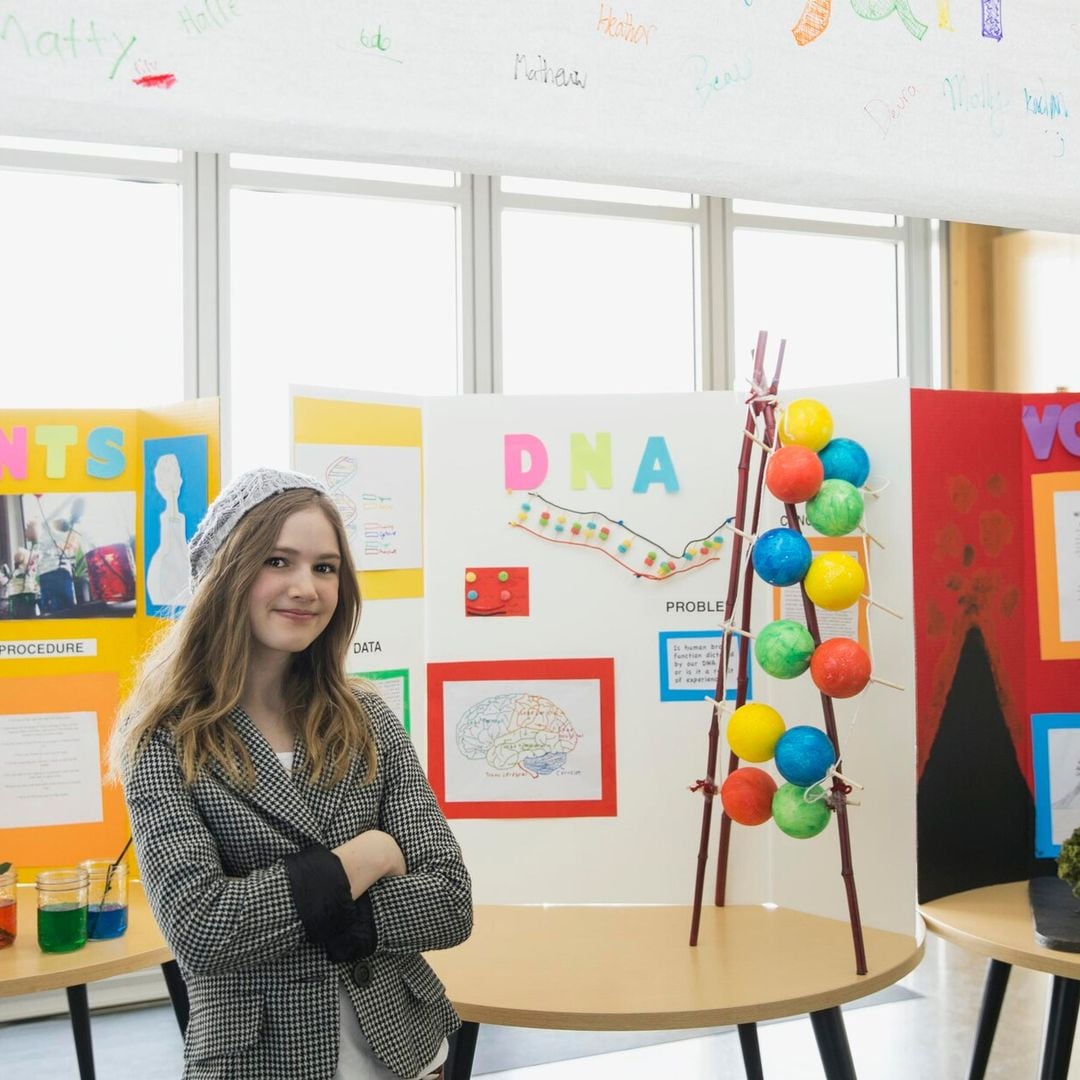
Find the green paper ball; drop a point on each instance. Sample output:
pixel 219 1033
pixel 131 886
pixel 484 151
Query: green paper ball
pixel 783 649
pixel 836 509
pixel 797 817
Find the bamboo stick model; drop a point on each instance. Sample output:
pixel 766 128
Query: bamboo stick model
pixel 762 403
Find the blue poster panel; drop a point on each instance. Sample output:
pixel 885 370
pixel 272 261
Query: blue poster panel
pixel 689 662
pixel 175 485
pixel 1055 752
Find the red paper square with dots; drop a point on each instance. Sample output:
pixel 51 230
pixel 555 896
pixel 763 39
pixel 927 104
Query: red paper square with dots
pixel 496 590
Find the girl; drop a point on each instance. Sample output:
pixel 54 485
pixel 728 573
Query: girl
pixel 291 849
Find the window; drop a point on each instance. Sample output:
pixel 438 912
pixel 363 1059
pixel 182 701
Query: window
pixel 597 288
pixel 91 276
pixel 340 291
pixel 133 276
pixel 832 297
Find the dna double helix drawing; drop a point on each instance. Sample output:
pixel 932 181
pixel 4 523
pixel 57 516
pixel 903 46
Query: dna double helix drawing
pixel 338 474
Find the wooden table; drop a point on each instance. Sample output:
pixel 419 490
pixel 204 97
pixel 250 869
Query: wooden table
pixel 25 969
pixel 996 922
pixel 626 968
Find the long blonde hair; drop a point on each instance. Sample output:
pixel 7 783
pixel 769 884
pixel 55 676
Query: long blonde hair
pixel 194 674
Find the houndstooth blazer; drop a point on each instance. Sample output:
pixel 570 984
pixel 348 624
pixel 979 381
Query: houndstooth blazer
pixel 264 997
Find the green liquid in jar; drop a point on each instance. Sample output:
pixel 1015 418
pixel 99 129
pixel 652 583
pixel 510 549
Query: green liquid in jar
pixel 61 927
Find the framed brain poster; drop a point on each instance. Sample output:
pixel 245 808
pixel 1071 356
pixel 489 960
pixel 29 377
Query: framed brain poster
pixel 523 738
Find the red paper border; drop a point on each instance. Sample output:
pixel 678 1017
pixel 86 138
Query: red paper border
pixel 601 669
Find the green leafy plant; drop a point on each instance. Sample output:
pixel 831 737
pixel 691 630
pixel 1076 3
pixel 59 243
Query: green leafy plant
pixel 1068 861
pixel 4 867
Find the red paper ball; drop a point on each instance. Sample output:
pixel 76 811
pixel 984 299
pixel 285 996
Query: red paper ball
pixel 840 667
pixel 747 796
pixel 794 474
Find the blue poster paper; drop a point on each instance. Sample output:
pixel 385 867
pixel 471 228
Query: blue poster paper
pixel 689 662
pixel 1055 753
pixel 175 486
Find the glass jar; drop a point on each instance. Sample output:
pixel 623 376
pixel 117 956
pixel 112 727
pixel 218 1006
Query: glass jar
pixel 61 909
pixel 9 908
pixel 107 911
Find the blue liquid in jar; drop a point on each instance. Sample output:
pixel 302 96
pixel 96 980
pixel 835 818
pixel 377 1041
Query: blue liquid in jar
pixel 106 922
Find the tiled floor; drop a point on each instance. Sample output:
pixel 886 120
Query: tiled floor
pixel 922 1030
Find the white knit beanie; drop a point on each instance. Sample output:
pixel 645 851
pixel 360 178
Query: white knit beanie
pixel 236 499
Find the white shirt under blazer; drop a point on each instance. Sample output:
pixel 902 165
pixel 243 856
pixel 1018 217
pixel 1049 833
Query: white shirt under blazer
pixel 264 997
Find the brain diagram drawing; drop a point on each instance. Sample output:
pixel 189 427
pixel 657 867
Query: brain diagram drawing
pixel 517 731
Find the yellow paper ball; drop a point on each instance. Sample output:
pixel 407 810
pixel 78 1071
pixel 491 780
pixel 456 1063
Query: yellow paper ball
pixel 834 581
pixel 754 730
pixel 806 422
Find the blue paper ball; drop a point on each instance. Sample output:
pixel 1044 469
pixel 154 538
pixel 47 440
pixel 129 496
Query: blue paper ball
pixel 781 556
pixel 845 459
pixel 803 755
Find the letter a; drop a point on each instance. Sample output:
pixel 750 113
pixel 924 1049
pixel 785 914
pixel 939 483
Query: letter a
pixel 656 467
pixel 518 477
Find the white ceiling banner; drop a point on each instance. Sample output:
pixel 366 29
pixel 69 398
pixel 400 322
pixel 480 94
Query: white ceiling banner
pixel 964 109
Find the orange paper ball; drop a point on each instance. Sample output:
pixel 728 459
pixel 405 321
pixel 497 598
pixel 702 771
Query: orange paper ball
pixel 840 667
pixel 794 474
pixel 747 795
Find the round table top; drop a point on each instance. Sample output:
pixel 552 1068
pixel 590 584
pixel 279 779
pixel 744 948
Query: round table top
pixel 25 969
pixel 623 968
pixel 996 921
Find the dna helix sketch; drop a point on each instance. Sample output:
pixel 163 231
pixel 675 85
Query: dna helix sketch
pixel 338 473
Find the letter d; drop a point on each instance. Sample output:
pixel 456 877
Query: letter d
pixel 518 477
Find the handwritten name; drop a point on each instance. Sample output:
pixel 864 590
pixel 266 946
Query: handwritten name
pixel 547 73
pixel 373 44
pixel 216 15
pixel 883 114
pixel 1045 104
pixel 983 98
pixel 70 44
pixel 625 28
pixel 709 82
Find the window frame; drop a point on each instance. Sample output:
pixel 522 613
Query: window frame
pixel 207 179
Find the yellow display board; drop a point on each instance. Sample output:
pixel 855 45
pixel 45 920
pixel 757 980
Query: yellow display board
pixel 328 437
pixel 96 507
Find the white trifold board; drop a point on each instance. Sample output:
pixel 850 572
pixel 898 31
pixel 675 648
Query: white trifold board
pixel 583 605
pixel 955 110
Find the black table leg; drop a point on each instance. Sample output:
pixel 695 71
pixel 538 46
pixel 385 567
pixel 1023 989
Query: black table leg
pixel 79 1008
pixel 1060 1028
pixel 997 978
pixel 177 993
pixel 751 1051
pixel 832 1044
pixel 462 1048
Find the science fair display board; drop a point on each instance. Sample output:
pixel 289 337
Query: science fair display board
pixel 96 509
pixel 997 581
pixel 545 583
pixel 932 108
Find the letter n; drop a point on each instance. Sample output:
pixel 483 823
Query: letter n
pixel 13 453
pixel 590 462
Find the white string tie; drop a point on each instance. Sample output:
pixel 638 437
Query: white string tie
pixel 825 787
